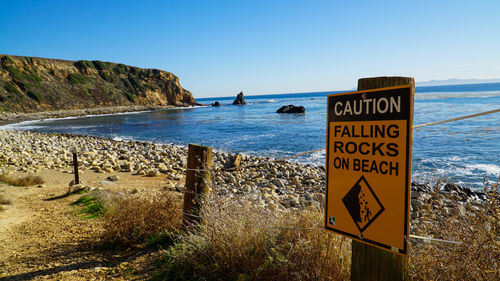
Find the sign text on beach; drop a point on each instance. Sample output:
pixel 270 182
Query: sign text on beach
pixel 368 166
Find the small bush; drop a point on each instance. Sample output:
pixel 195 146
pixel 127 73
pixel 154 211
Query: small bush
pixel 135 70
pixel 135 220
pixel 246 243
pixel 76 78
pixel 22 181
pixel 83 64
pixel 11 88
pixel 106 77
pixel 136 83
pixel 34 95
pixel 33 77
pixel 86 91
pixel 15 72
pixel 100 65
pixel 120 69
pixel 131 97
pixel 6 60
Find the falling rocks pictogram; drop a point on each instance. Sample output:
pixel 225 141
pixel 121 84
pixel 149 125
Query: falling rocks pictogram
pixel 362 204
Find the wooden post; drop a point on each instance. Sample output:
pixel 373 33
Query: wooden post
pixel 199 163
pixel 75 165
pixel 369 262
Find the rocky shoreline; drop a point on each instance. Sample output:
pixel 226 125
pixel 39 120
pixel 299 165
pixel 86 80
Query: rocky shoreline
pixel 270 184
pixel 14 117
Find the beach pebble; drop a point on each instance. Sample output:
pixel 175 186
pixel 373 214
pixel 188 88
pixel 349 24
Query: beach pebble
pixel 266 183
pixel 112 178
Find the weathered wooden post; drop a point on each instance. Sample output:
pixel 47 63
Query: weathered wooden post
pixel 75 165
pixel 198 181
pixel 369 262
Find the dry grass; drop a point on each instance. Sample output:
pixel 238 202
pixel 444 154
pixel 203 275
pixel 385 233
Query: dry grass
pixel 245 243
pixel 240 242
pixel 133 220
pixel 21 181
pixel 477 258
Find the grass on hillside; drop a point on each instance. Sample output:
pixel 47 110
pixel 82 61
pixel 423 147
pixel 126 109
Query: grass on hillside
pixel 21 181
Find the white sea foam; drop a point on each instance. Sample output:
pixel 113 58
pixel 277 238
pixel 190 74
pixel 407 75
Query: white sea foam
pixel 446 95
pixel 490 169
pixel 24 125
pixel 455 158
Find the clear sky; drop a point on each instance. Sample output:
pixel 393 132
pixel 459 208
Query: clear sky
pixel 218 48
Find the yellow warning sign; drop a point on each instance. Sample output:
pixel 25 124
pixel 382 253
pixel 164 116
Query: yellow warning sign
pixel 369 166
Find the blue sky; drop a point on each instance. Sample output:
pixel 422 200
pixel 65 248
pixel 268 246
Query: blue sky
pixel 218 48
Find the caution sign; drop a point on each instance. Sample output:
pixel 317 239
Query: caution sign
pixel 368 166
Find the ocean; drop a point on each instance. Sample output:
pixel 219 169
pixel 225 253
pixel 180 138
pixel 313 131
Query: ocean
pixel 465 152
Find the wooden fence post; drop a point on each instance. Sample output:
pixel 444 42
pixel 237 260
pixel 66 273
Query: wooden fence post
pixel 199 163
pixel 75 165
pixel 369 262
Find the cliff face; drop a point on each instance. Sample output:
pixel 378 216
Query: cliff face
pixel 29 84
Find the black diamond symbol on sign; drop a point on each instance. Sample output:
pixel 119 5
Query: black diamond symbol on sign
pixel 362 204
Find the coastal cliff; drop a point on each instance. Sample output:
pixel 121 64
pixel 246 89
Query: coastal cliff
pixel 29 84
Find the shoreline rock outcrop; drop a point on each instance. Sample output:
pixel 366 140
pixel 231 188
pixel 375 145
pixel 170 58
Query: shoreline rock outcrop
pixel 291 109
pixel 30 84
pixel 240 99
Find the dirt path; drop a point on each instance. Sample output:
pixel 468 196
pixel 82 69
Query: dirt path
pixel 43 238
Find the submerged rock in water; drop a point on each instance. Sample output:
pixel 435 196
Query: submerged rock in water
pixel 216 103
pixel 240 100
pixel 291 109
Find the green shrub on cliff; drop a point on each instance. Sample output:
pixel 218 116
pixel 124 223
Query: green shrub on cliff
pixel 101 65
pixel 11 88
pixel 106 77
pixel 76 78
pixel 22 75
pixel 6 60
pixel 14 72
pixel 120 69
pixel 83 64
pixel 34 95
pixel 32 77
pixel 131 97
pixel 135 70
pixel 136 83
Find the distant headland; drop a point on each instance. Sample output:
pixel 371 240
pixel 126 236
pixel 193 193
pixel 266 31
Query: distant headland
pixel 30 84
pixel 455 81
